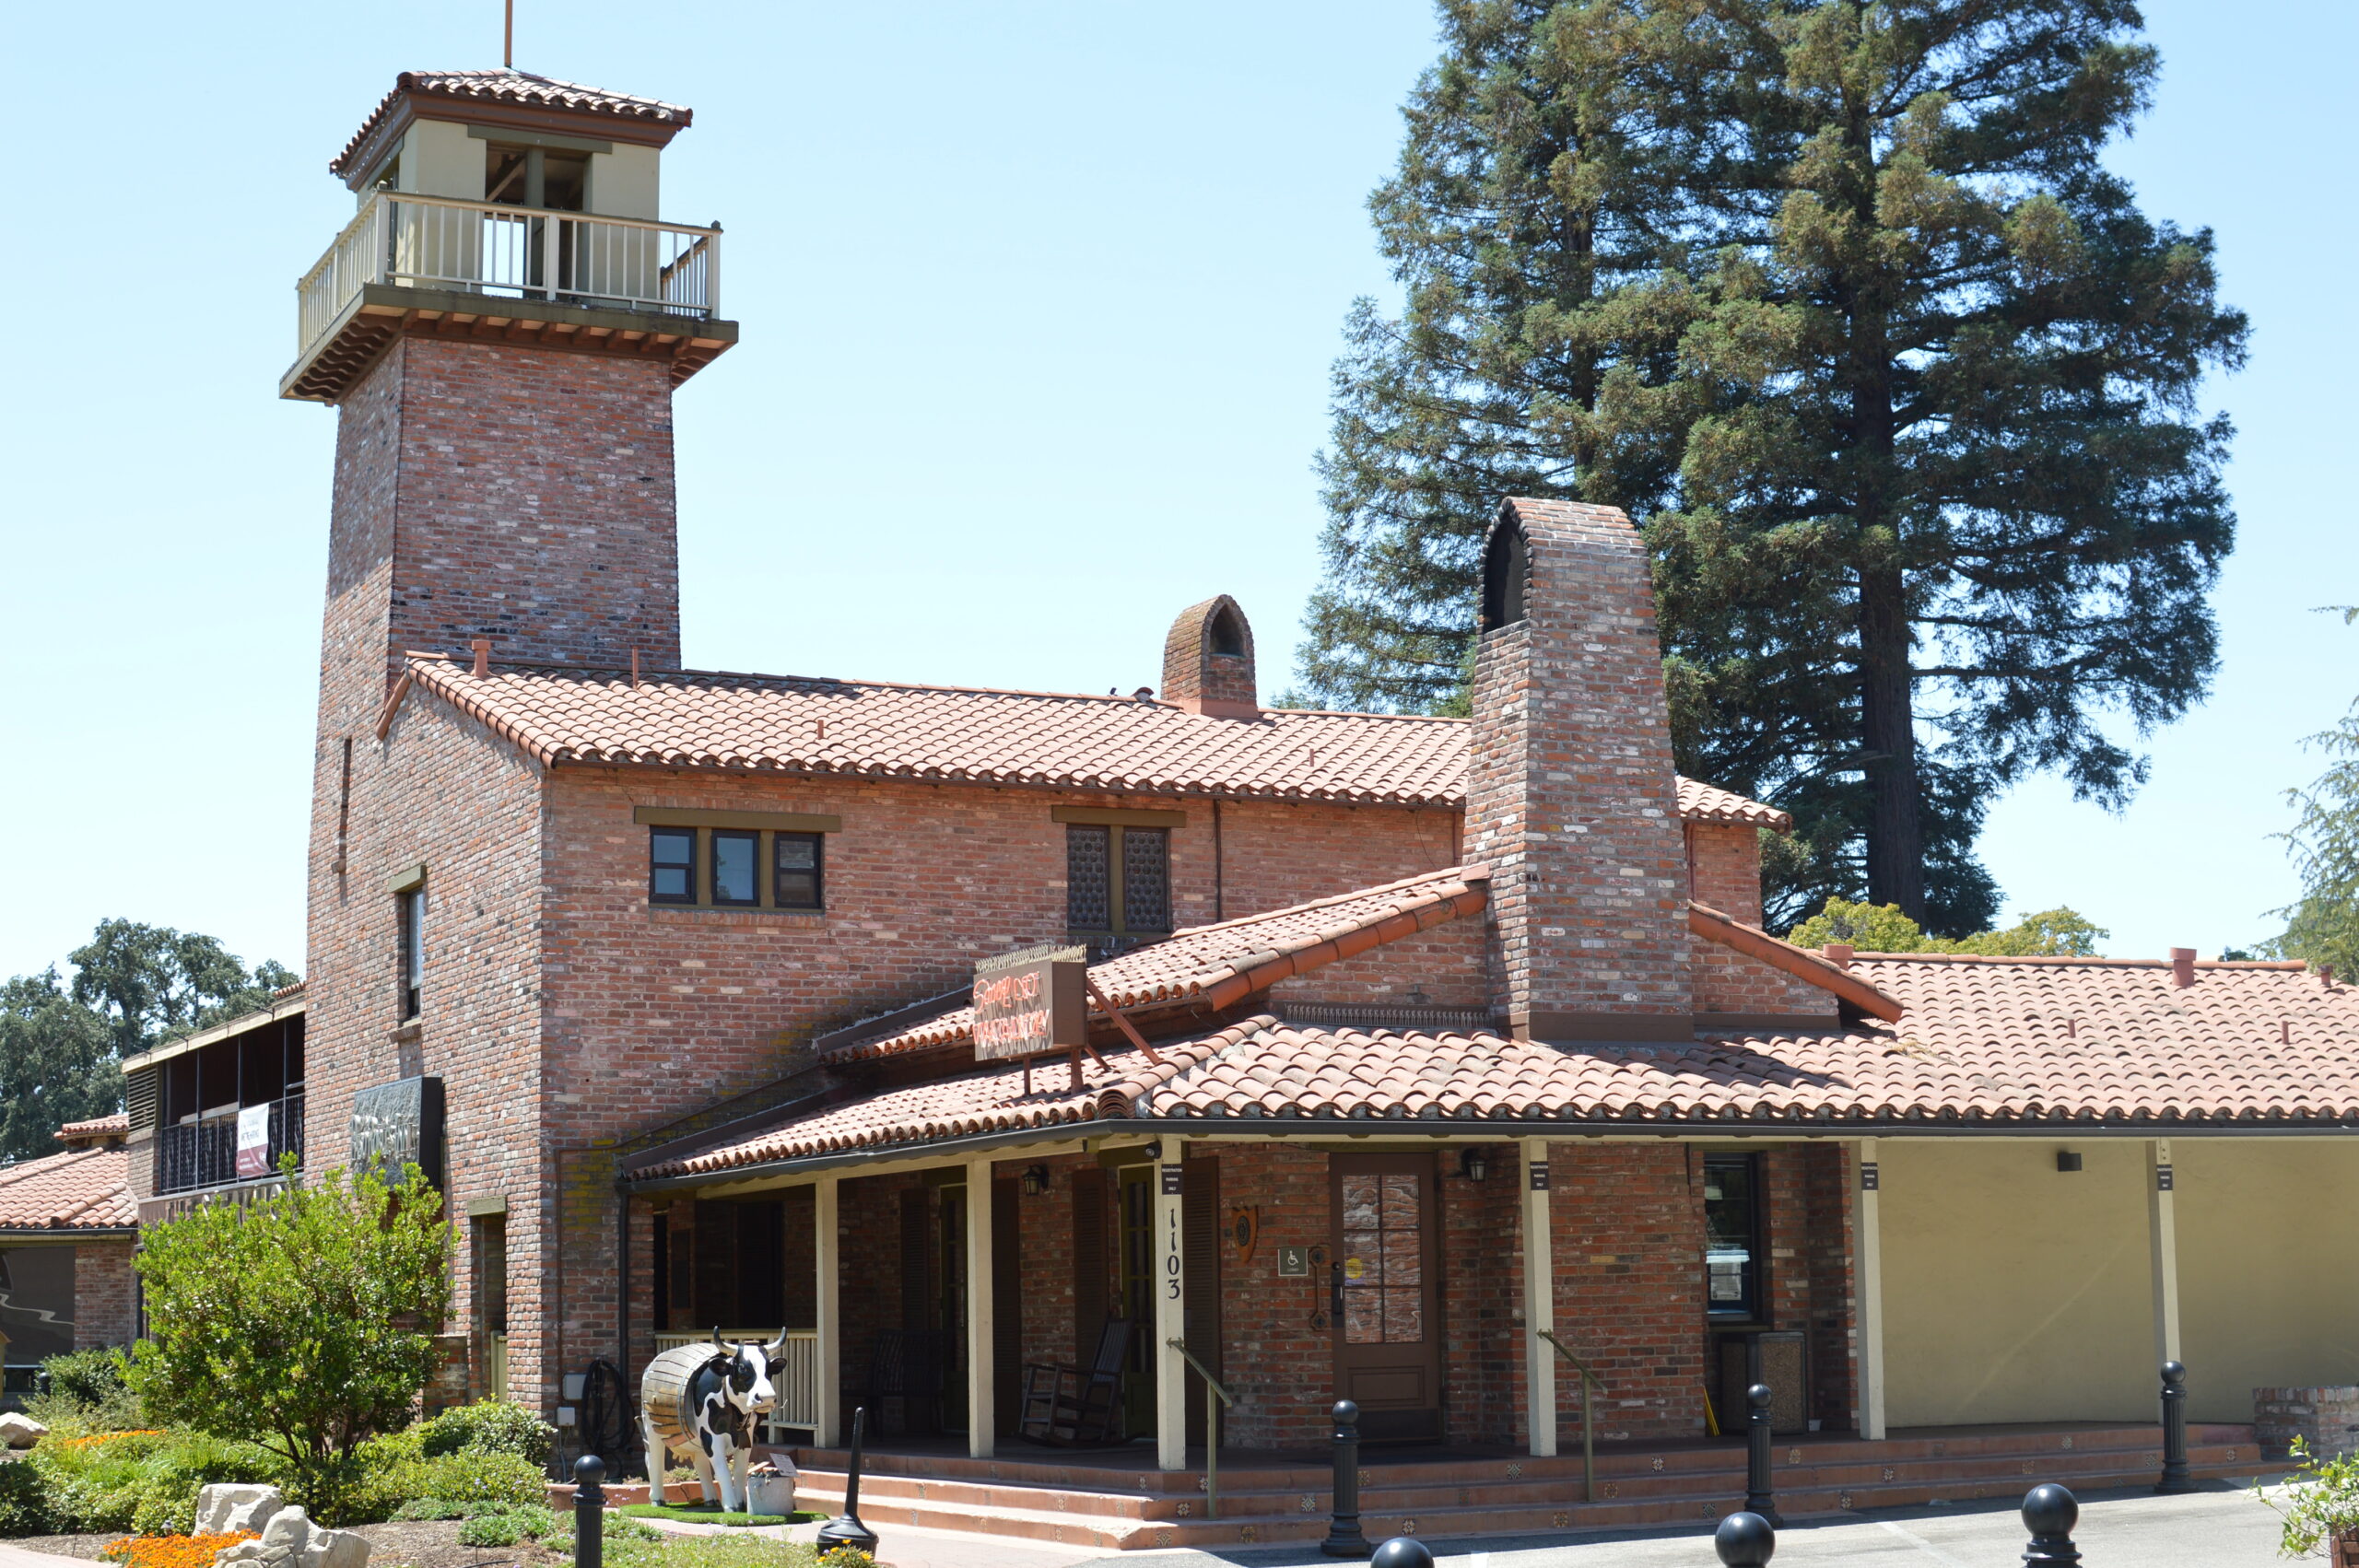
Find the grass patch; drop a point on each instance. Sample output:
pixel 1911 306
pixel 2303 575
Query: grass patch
pixel 709 1513
pixel 710 1552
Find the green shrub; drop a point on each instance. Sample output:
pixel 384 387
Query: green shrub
pixel 26 1508
pixel 488 1426
pixel 86 1393
pixel 436 1508
pixel 87 1377
pixel 142 1483
pixel 396 1474
pixel 490 1529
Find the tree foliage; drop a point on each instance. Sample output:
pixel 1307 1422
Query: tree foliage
pixel 2061 933
pixel 301 1320
pixel 1839 301
pixel 57 1064
pixel 2323 925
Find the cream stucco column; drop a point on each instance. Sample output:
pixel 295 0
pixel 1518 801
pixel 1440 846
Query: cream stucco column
pixel 2162 1238
pixel 982 1407
pixel 1539 1300
pixel 1170 1320
pixel 828 1313
pixel 1871 1262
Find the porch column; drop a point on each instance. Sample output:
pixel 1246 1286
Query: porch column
pixel 829 1315
pixel 983 1409
pixel 1170 1320
pixel 1870 1258
pixel 1539 1302
pixel 2162 1234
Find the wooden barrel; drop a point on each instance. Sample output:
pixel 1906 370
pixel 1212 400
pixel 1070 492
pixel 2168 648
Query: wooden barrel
pixel 663 1389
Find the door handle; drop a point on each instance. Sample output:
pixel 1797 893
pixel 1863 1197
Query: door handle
pixel 1335 1292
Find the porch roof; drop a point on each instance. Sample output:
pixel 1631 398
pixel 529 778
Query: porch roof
pixel 815 726
pixel 1224 964
pixel 2021 1047
pixel 82 1189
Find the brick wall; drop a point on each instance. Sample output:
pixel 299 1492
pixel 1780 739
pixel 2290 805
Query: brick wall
pixel 1724 868
pixel 1829 1205
pixel 1277 1366
pixel 2325 1418
pixel 1481 1258
pixel 1571 793
pixel 105 1311
pixel 1629 1254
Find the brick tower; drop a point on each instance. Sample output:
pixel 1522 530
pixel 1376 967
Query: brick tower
pixel 1571 793
pixel 501 328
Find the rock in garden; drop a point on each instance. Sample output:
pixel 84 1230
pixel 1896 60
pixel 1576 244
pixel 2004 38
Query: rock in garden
pixel 224 1507
pixel 290 1540
pixel 20 1431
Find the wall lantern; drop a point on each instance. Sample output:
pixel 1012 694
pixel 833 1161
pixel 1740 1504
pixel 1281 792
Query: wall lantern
pixel 2067 1159
pixel 1473 1164
pixel 1034 1180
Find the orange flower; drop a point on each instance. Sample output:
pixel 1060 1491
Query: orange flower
pixel 172 1551
pixel 98 1437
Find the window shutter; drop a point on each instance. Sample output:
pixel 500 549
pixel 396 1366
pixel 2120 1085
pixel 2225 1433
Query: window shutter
pixel 140 1098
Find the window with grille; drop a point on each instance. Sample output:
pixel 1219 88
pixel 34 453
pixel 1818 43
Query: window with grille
pixel 1118 881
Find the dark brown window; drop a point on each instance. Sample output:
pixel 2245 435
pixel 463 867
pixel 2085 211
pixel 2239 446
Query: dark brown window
pixel 410 969
pixel 1118 881
pixel 671 865
pixel 797 865
pixel 736 867
pixel 1732 1236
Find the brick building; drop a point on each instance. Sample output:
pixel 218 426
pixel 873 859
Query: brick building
pixel 1438 1063
pixel 66 1230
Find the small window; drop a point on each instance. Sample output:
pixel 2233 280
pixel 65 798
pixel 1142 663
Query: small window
pixel 671 865
pixel 410 913
pixel 798 857
pixel 1732 1236
pixel 1117 882
pixel 735 863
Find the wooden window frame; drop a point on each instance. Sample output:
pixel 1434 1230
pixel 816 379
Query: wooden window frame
pixel 409 952
pixel 757 842
pixel 1756 1308
pixel 696 872
pixel 1117 824
pixel 818 872
pixel 764 829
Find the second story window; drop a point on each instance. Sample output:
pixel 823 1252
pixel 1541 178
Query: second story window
pixel 1118 881
pixel 717 859
pixel 409 910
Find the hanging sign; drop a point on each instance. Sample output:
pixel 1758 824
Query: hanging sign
pixel 1031 1002
pixel 399 1124
pixel 253 1141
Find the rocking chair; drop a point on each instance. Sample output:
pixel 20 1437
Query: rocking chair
pixel 1069 1405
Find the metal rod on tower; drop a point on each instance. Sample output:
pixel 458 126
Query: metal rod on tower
pixel 508 37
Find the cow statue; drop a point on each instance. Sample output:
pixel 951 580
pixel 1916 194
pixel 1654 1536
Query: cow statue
pixel 704 1401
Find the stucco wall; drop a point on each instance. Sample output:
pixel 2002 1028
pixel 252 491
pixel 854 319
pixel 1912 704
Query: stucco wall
pixel 2269 1267
pixel 2014 1292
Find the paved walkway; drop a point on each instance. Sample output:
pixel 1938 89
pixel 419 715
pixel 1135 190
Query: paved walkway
pixel 17 1557
pixel 2218 1528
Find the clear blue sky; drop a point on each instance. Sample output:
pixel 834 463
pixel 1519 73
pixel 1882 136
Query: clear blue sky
pixel 1040 301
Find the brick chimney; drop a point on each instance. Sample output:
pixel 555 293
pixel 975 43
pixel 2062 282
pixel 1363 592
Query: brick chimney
pixel 1570 794
pixel 1208 661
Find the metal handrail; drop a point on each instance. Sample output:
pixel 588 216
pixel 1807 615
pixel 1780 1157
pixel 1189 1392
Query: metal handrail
pixel 1211 1427
pixel 1589 1413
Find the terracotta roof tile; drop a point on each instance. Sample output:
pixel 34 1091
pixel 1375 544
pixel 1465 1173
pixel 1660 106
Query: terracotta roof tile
pixel 1222 964
pixel 815 727
pixel 115 1126
pixel 520 88
pixel 1995 1044
pixel 81 1189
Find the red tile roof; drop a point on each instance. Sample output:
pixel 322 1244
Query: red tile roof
pixel 115 1126
pixel 1800 962
pixel 809 726
pixel 81 1189
pixel 1224 964
pixel 520 88
pixel 1999 1045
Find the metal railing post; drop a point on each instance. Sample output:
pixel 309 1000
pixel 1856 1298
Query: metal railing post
pixel 1745 1540
pixel 1215 1397
pixel 2049 1514
pixel 1343 1536
pixel 589 1511
pixel 1591 1385
pixel 2175 1477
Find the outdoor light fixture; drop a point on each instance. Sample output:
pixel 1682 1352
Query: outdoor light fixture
pixel 1034 1180
pixel 1473 1164
pixel 2066 1160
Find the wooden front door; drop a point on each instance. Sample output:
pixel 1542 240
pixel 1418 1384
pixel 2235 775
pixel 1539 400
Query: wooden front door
pixel 1387 1330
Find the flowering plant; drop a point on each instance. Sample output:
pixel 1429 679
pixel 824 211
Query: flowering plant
pixel 172 1551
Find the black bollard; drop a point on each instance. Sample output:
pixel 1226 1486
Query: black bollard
pixel 1402 1551
pixel 845 1529
pixel 589 1511
pixel 2174 1478
pixel 1757 1500
pixel 1745 1540
pixel 2049 1514
pixel 1343 1536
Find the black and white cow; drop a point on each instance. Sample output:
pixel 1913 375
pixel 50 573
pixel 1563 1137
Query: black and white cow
pixel 725 1396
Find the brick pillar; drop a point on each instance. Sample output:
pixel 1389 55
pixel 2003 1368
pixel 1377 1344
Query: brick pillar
pixel 103 1295
pixel 1571 796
